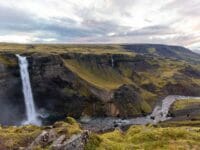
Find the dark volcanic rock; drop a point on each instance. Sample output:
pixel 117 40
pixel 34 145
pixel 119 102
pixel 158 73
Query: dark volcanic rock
pixel 76 142
pixel 60 142
pixel 149 87
pixel 57 90
pixel 11 97
pixel 188 111
pixel 129 102
pixel 54 87
pixel 181 88
pixel 191 72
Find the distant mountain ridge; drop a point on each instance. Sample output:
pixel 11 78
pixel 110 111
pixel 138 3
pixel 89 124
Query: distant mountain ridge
pixel 196 51
pixel 168 51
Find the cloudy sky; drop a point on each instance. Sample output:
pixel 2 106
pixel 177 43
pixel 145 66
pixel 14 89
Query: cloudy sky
pixel 101 21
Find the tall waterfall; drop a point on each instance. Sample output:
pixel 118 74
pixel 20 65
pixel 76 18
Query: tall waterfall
pixel 112 61
pixel 27 91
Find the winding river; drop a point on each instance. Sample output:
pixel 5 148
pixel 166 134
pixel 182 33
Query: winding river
pixel 159 114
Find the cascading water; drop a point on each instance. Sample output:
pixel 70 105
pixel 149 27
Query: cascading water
pixel 27 91
pixel 159 114
pixel 112 61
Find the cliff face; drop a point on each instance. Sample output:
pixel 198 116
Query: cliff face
pixel 11 102
pixel 93 84
pixel 54 87
pixel 60 90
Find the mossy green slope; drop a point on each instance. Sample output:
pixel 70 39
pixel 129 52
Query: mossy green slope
pixel 184 104
pixel 102 77
pixel 148 138
pixel 14 138
pixel 64 48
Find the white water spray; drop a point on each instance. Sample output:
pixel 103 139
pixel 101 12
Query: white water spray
pixel 27 91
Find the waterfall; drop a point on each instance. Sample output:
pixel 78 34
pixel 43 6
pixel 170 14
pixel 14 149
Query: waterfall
pixel 112 61
pixel 27 92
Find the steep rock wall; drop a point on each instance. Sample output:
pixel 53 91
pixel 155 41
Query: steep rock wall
pixel 77 84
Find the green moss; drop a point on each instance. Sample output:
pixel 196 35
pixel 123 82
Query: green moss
pixel 151 50
pixel 145 107
pixel 102 77
pixel 71 120
pixel 68 128
pixel 149 99
pixel 194 123
pixel 183 104
pixel 40 148
pixel 125 70
pixel 148 138
pixel 162 74
pixel 14 137
pixel 7 61
pixel 93 142
pixel 64 48
pixel 113 141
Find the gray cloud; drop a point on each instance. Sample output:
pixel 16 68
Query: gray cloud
pixel 152 30
pixel 129 21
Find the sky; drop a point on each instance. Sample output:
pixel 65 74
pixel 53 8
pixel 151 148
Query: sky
pixel 175 22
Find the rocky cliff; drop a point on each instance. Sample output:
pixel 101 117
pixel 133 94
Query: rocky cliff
pixel 11 101
pixel 88 83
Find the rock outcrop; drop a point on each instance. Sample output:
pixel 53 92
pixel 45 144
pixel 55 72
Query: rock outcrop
pixel 76 142
pixel 54 141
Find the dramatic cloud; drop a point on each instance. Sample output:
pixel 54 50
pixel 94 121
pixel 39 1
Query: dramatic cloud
pixel 101 21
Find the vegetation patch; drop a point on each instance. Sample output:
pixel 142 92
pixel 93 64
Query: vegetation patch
pixel 103 77
pixel 184 104
pixel 64 48
pixel 7 61
pixel 163 74
pixel 151 50
pixel 195 122
pixel 67 127
pixel 13 137
pixel 148 138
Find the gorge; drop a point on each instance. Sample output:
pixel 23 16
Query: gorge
pixel 104 87
pixel 160 113
pixel 120 82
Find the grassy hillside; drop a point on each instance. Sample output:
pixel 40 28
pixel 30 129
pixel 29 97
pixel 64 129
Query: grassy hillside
pixel 184 104
pixel 102 77
pixel 166 51
pixel 136 137
pixel 14 138
pixel 63 48
pixel 148 138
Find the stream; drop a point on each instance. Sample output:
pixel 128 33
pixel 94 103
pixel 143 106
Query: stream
pixel 159 114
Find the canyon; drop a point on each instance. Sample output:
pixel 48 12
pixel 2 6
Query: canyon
pixel 111 90
pixel 100 83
